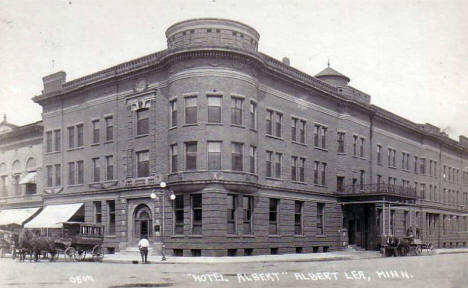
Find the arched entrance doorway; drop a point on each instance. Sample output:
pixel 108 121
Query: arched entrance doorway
pixel 143 221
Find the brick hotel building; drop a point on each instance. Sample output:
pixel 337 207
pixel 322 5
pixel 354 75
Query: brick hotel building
pixel 262 158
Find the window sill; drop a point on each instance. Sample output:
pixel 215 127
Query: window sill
pixel 178 236
pixel 214 124
pixel 299 143
pixel 52 152
pixel 141 136
pixel 190 124
pixel 109 141
pixel 299 236
pixel 111 236
pixel 195 236
pixel 274 179
pixel 362 158
pixel 94 144
pixel 274 137
pixel 341 153
pixel 321 149
pixel 253 130
pixel 322 186
pixel 391 167
pixel 248 236
pixel 298 182
pixel 232 236
pixel 172 128
pixel 274 236
pixel 76 148
pixel 74 185
pixel 321 236
pixel 238 126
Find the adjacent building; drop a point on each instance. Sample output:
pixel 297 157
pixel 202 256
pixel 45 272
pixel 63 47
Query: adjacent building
pixel 261 157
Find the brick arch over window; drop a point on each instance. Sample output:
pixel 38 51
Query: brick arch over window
pixel 31 164
pixel 16 166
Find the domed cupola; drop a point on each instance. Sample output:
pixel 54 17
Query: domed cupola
pixel 333 77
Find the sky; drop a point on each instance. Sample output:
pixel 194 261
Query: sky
pixel 410 56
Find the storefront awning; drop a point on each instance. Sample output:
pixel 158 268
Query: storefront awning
pixel 53 216
pixel 30 178
pixel 16 216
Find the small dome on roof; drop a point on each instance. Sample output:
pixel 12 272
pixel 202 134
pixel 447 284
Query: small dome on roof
pixel 333 77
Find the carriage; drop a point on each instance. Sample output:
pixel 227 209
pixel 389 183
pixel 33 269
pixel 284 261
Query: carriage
pixel 78 240
pixel 409 245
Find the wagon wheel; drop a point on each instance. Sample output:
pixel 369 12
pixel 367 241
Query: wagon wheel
pixel 70 254
pixel 98 253
pixel 80 255
pixel 418 250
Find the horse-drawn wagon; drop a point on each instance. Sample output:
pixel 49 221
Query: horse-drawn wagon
pixel 409 245
pixel 80 239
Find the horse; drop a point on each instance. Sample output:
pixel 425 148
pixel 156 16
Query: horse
pixel 25 244
pixel 42 243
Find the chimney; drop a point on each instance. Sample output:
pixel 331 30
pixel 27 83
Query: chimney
pixel 53 82
pixel 286 61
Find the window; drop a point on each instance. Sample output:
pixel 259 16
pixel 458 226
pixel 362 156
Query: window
pixel 253 159
pixel 143 164
pixel 361 148
pixel 416 166
pixel 237 156
pixel 316 172
pixel 214 109
pixel 298 217
pixel 49 176
pixel 96 131
pixel 247 205
pixel 302 169
pixel 268 162
pixel 273 227
pixel 16 185
pixel 278 165
pixel 71 137
pixel 79 135
pixel 173 152
pixel 109 167
pixel 191 110
pixel 111 222
pixel 323 174
pixel 214 155
pixel 57 138
pixel 197 214
pixel 179 215
pixel 236 110
pixel 323 136
pixel 320 218
pixel 80 165
pixel 298 130
pixel 391 158
pixel 361 180
pixel 58 175
pixel 294 168
pixel 278 124
pixel 109 128
pixel 97 212
pixel 191 156
pixel 339 183
pixel 173 111
pixel 49 141
pixel 71 173
pixel 253 115
pixel 231 213
pixel 355 145
pixel 269 122
pixel 96 170
pixel 423 166
pixel 341 142
pixel 143 121
pixel 379 155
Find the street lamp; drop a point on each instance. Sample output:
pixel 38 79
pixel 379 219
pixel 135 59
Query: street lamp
pixel 160 193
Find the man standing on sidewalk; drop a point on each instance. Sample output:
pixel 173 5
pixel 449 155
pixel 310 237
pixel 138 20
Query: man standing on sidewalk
pixel 143 246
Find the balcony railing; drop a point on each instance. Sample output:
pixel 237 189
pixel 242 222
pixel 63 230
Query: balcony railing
pixel 378 189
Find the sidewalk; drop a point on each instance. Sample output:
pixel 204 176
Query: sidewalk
pixel 330 256
pixel 312 257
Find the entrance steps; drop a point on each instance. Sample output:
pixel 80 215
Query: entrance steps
pixel 153 250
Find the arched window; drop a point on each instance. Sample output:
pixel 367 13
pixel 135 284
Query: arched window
pixel 31 164
pixel 3 169
pixel 16 168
